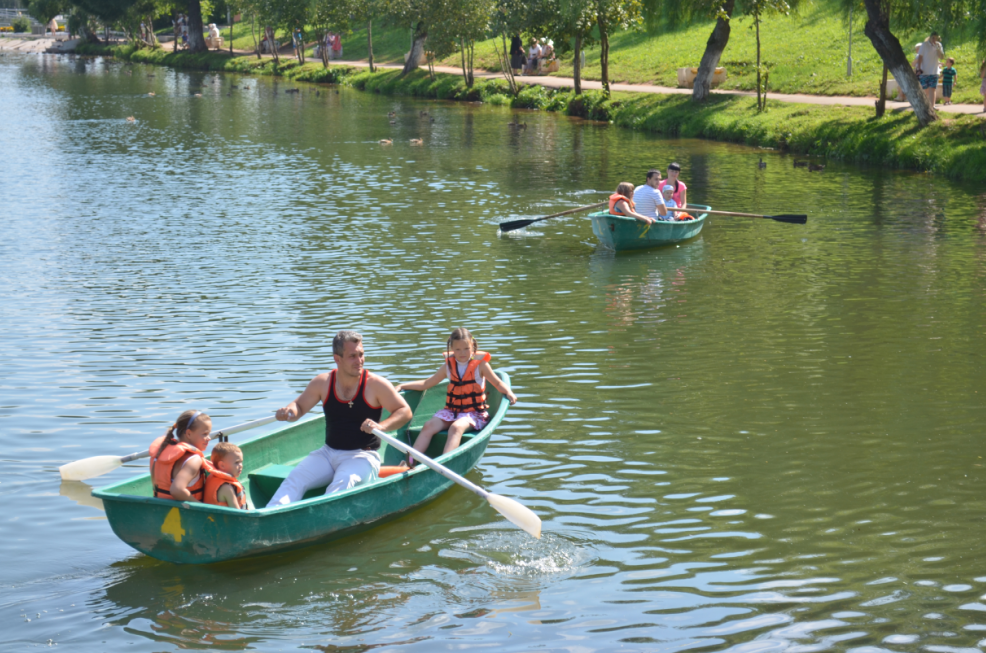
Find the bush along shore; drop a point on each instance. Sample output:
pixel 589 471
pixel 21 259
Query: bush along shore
pixel 954 147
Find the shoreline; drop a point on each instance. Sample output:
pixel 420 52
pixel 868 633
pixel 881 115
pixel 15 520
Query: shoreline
pixel 954 147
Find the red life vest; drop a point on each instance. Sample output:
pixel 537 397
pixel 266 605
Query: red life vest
pixel 616 197
pixel 164 464
pixel 215 480
pixel 464 394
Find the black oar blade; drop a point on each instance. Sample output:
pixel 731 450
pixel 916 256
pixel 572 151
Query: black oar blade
pixel 514 225
pixel 793 219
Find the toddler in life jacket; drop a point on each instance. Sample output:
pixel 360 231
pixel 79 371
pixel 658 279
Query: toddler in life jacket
pixel 221 485
pixel 668 191
pixel 467 370
pixel 178 466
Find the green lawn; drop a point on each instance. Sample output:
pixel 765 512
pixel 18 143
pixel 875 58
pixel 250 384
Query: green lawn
pixel 806 53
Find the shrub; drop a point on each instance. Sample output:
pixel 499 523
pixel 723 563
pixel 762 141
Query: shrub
pixel 21 24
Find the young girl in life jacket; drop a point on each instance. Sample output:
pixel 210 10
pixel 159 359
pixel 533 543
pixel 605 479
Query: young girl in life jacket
pixel 178 465
pixel 467 370
pixel 621 203
pixel 221 485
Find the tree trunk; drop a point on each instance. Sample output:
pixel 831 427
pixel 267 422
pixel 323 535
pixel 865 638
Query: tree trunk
pixel 506 65
pixel 272 44
pixel 472 61
pixel 713 52
pixel 195 41
pixel 323 48
pixel 577 74
pixel 603 52
pixel 231 35
pixel 888 47
pixel 462 55
pixel 177 34
pixel 369 43
pixel 756 21
pixel 417 47
pixel 151 36
pixel 881 103
pixel 253 34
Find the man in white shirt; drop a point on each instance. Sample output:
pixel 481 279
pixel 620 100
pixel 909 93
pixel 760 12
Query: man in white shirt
pixel 929 53
pixel 648 198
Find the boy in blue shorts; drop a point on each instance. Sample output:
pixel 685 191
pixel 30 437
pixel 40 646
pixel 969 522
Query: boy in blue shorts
pixel 948 76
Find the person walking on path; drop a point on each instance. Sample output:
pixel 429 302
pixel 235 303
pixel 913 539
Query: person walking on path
pixel 926 65
pixel 353 400
pixel 948 76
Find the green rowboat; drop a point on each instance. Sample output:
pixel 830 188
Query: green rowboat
pixel 620 233
pixel 194 533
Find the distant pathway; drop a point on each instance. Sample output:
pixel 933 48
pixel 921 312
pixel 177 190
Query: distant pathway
pixel 568 82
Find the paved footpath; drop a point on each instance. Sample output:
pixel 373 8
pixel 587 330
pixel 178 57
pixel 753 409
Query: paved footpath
pixel 568 82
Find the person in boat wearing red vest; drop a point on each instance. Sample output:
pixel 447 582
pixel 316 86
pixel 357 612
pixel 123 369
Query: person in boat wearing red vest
pixel 353 400
pixel 178 466
pixel 221 485
pixel 621 204
pixel 467 370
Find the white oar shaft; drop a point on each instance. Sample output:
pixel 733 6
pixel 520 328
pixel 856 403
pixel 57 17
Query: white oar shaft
pixel 428 462
pixel 214 435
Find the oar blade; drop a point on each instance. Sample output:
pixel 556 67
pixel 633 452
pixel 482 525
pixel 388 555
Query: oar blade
pixel 86 468
pixel 519 515
pixel 793 219
pixel 514 225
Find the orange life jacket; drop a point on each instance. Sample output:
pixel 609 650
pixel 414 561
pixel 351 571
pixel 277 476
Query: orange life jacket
pixel 616 197
pixel 464 394
pixel 215 480
pixel 684 216
pixel 163 465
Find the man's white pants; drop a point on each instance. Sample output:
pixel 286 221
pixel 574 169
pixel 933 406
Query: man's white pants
pixel 339 469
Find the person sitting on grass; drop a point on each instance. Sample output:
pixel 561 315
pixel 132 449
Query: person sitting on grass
pixel 621 204
pixel 221 486
pixel 467 370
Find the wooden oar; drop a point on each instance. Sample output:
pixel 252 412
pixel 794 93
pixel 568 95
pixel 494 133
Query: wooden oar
pixel 513 225
pixel 86 468
pixel 512 510
pixel 792 218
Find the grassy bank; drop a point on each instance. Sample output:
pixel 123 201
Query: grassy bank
pixel 805 52
pixel 953 147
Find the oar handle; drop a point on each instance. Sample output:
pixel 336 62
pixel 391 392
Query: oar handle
pixel 428 462
pixel 215 436
pixel 576 210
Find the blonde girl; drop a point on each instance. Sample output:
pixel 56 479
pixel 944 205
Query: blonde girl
pixel 467 370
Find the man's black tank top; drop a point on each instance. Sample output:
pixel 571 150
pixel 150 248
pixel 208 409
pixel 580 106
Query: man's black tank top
pixel 343 419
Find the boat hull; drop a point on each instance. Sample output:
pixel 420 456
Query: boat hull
pixel 194 533
pixel 621 234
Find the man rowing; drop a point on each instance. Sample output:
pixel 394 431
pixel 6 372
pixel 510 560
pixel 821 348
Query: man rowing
pixel 649 200
pixel 353 400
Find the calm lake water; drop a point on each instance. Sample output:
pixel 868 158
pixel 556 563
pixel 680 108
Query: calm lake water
pixel 765 439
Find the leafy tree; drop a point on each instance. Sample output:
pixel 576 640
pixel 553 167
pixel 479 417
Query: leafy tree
pixel 335 15
pixel 613 15
pixel 44 10
pixel 456 26
pixel 915 14
pixel 756 9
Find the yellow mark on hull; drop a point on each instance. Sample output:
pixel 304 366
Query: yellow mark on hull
pixel 172 525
